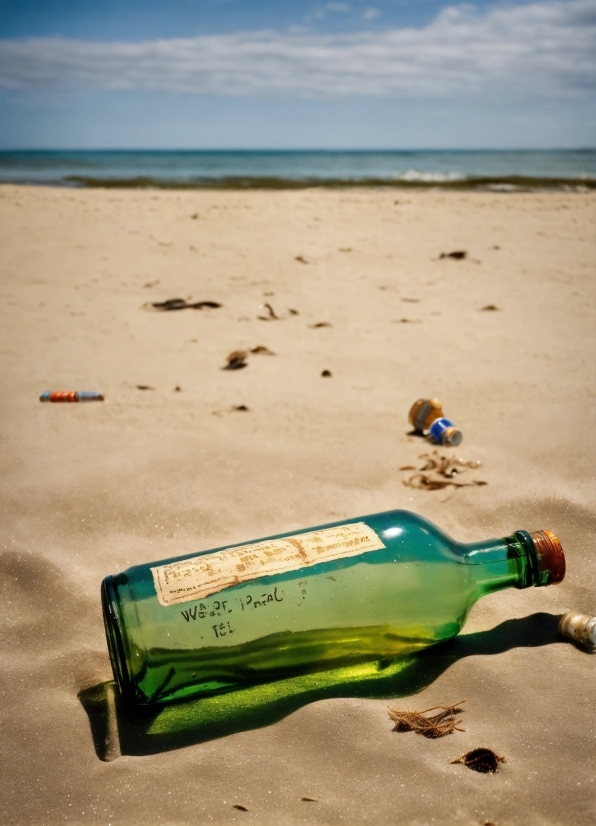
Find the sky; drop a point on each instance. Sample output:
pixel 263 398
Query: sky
pixel 264 74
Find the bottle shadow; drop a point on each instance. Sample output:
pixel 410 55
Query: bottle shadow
pixel 118 729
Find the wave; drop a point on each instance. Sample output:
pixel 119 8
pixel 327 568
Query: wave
pixel 412 179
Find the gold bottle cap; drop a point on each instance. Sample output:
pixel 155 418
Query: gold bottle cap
pixel 550 555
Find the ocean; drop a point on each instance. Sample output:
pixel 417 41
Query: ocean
pixel 495 170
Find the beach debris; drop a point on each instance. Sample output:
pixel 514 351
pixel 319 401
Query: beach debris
pixel 151 283
pixel 261 350
pixel 439 472
pixel 458 255
pixel 177 389
pixel 481 760
pixel 301 258
pixel 194 216
pixel 236 360
pixel 406 321
pixel 436 725
pixel 489 308
pixel 240 807
pixel 144 387
pixel 310 799
pixel 181 304
pixel 326 374
pixel 580 628
pixel 271 313
pixel 411 300
pixel 320 324
pixel 240 407
pixel 293 312
pixel 427 415
pixel 71 396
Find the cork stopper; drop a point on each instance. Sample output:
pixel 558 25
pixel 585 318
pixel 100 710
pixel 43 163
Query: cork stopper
pixel 550 557
pixel 579 627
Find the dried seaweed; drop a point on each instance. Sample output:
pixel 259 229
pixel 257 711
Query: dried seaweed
pixel 320 324
pixel 458 255
pixel 437 725
pixel 261 350
pixel 301 258
pixel 489 308
pixel 236 360
pixel 481 760
pixel 309 799
pixel 144 387
pixel 439 471
pixel 272 314
pixel 181 304
pixel 239 807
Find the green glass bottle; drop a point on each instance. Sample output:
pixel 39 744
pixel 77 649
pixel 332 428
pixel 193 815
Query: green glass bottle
pixel 343 595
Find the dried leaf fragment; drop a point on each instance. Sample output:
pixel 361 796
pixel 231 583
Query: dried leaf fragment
pixel 236 360
pixel 320 324
pixel 301 259
pixel 309 799
pixel 271 313
pixel 458 255
pixel 437 725
pixel 144 387
pixel 239 807
pixel 489 308
pixel 181 304
pixel 261 350
pixel 481 760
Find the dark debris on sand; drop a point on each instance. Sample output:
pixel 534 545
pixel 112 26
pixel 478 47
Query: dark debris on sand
pixel 481 760
pixel 181 304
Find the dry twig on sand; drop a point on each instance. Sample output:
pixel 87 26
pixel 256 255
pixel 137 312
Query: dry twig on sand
pixel 440 471
pixel 437 725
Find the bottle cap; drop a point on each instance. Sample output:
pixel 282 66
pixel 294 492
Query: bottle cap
pixel 579 627
pixel 550 557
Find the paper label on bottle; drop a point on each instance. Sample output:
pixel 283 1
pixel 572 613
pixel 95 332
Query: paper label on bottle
pixel 201 576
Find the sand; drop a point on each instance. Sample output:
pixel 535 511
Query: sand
pixel 90 489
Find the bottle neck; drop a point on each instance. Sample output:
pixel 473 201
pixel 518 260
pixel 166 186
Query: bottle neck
pixel 521 560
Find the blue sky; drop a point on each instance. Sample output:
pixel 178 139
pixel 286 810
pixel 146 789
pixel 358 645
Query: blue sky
pixel 264 74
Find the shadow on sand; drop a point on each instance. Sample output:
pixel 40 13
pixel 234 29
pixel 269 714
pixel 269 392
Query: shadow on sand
pixel 120 730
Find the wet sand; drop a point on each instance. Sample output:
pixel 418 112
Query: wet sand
pixel 91 489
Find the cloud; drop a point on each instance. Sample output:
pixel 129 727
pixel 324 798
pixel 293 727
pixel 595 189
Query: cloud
pixel 544 48
pixel 371 13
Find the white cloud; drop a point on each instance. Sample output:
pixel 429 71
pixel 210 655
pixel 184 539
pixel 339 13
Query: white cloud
pixel 371 13
pixel 544 48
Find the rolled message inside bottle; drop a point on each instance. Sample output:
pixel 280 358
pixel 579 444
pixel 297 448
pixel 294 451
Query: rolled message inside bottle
pixel 579 627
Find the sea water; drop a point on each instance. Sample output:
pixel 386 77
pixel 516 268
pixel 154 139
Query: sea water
pixel 500 170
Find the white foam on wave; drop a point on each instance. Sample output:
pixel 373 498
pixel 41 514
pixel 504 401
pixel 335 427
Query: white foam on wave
pixel 430 177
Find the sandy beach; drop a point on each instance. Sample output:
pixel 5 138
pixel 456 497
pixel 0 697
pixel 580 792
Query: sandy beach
pixel 172 463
